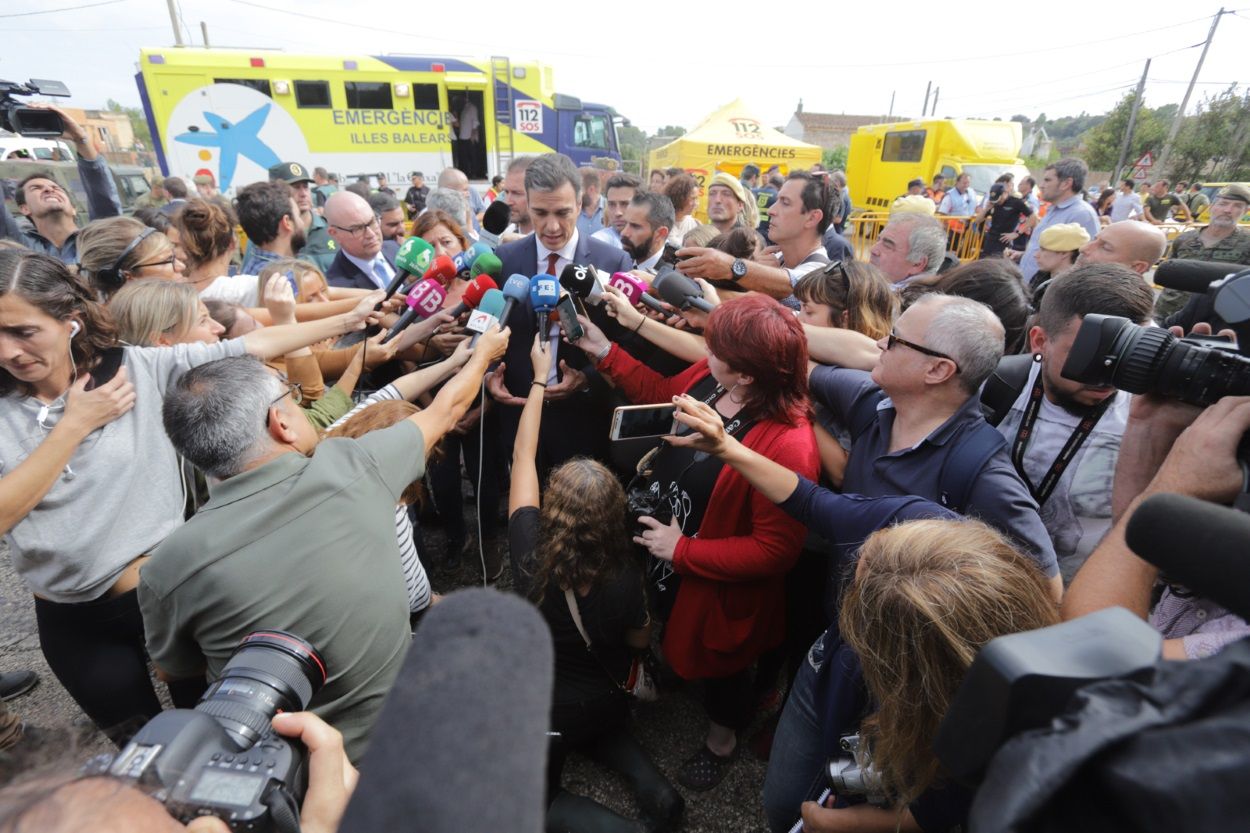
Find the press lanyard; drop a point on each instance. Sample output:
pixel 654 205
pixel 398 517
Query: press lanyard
pixel 1025 432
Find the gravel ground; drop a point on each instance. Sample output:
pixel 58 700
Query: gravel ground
pixel 670 729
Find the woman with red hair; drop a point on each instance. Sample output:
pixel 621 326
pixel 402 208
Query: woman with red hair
pixel 721 562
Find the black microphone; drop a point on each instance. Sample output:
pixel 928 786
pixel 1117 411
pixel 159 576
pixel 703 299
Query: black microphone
pixel 495 219
pixel 1198 544
pixel 678 290
pixel 474 697
pixel 1193 275
pixel 582 281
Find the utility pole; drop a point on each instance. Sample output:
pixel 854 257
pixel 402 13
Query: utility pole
pixel 173 19
pixel 925 108
pixel 1132 125
pixel 890 117
pixel 933 108
pixel 204 32
pixel 1162 161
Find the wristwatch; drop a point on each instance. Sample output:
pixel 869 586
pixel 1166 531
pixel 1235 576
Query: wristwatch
pixel 738 270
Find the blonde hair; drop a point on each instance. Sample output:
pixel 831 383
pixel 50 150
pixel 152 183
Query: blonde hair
pixel 288 264
pixel 927 595
pixel 145 309
pixel 101 244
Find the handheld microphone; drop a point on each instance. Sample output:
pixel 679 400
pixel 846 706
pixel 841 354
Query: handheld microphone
pixel 678 290
pixel 1194 275
pixel 479 248
pixel 443 269
pixel 544 295
pixel 635 290
pixel 488 264
pixel 472 296
pixel 1198 544
pixel 425 299
pixel 486 314
pixel 582 281
pixel 516 290
pixel 495 219
pixel 413 258
pixel 464 263
pixel 455 697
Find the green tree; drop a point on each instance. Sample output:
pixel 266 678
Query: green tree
pixel 138 122
pixel 633 143
pixel 834 159
pixel 1214 143
pixel 671 130
pixel 1101 144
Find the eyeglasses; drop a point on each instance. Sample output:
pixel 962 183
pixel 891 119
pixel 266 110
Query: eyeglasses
pixel 293 390
pixel 893 339
pixel 837 266
pixel 359 230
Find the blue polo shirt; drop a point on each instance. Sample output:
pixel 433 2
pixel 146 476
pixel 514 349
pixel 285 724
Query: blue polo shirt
pixel 1073 210
pixel 998 496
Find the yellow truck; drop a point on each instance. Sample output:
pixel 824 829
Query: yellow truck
pixel 883 158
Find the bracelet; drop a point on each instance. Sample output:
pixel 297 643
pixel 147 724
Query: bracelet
pixel 542 385
pixel 639 327
pixel 603 354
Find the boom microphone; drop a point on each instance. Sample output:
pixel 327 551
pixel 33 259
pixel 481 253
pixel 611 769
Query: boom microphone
pixel 678 290
pixel 425 299
pixel 1198 544
pixel 1194 275
pixel 413 258
pixel 516 290
pixel 635 290
pixel 582 281
pixel 473 295
pixel 481 736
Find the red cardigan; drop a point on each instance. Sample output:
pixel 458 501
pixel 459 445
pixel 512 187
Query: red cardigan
pixel 730 605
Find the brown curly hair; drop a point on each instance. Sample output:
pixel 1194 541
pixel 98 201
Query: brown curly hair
pixel 46 283
pixel 926 596
pixel 582 531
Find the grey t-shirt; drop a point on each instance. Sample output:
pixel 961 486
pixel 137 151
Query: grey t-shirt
pixel 300 544
pixel 122 492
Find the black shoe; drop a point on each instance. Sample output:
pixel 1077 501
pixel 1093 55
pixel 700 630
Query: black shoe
pixel 16 683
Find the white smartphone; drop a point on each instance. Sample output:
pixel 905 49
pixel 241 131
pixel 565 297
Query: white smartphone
pixel 631 422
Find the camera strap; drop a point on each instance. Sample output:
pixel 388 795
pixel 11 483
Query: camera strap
pixel 1025 432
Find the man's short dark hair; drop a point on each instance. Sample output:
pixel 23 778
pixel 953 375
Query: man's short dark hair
pixel 1102 288
pixel 1130 183
pixel 360 188
pixel 320 171
pixel 20 196
pixel 750 171
pixel 550 172
pixel 659 208
pixel 939 178
pixel 261 207
pixel 623 181
pixel 382 203
pixel 1071 168
pixel 776 180
pixel 818 194
pixel 175 187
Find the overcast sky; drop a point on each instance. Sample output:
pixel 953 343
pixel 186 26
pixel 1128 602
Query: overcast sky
pixel 674 62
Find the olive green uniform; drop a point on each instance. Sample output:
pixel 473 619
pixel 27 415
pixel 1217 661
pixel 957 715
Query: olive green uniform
pixel 1232 249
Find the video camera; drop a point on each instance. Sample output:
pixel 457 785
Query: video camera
pixel 1113 351
pixel 31 122
pixel 222 758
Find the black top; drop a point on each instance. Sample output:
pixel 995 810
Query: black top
pixel 614 605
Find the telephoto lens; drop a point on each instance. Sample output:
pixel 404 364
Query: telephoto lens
pixel 1113 351
pixel 269 671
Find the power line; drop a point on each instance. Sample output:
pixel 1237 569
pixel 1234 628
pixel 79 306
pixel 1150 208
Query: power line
pixel 65 9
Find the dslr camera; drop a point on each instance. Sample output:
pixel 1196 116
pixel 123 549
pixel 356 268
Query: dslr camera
pixel 223 758
pixel 1113 351
pixel 852 773
pixel 31 122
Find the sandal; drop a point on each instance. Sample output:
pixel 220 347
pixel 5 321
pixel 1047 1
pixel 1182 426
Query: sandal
pixel 705 769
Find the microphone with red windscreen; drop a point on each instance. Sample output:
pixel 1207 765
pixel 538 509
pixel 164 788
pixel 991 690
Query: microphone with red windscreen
pixel 473 295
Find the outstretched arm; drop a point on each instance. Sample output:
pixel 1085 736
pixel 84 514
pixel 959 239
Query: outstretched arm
pixel 524 490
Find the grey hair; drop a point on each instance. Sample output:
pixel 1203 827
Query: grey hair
pixel 382 203
pixel 969 332
pixel 445 199
pixel 925 241
pixel 550 172
pixel 216 414
pixel 659 209
pixel 1071 168
pixel 520 163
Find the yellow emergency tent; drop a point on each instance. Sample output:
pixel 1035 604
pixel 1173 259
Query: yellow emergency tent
pixel 726 141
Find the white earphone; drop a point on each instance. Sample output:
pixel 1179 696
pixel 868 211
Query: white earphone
pixel 74 328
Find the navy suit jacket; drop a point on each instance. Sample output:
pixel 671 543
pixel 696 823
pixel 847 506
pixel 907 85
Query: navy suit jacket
pixel 577 425
pixel 343 272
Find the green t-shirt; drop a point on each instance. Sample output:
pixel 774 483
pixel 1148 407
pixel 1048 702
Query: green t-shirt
pixel 1161 207
pixel 301 544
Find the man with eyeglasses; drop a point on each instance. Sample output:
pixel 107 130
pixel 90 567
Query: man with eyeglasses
pixel 364 259
pixel 270 219
pixel 47 206
pixel 917 428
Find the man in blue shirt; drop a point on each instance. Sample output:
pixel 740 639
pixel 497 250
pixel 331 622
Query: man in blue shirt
pixel 590 218
pixel 1063 184
pixel 960 201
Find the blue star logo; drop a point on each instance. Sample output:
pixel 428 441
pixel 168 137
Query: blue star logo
pixel 232 140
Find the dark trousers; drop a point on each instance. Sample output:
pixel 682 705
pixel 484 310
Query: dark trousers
pixel 96 650
pixel 445 478
pixel 581 725
pixel 730 701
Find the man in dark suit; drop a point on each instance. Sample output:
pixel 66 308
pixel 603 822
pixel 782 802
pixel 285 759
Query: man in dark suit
pixel 576 419
pixel 364 260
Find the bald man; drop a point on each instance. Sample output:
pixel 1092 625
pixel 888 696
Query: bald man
pixel 364 260
pixel 455 179
pixel 1130 243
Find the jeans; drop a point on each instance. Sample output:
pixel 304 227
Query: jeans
pixel 796 764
